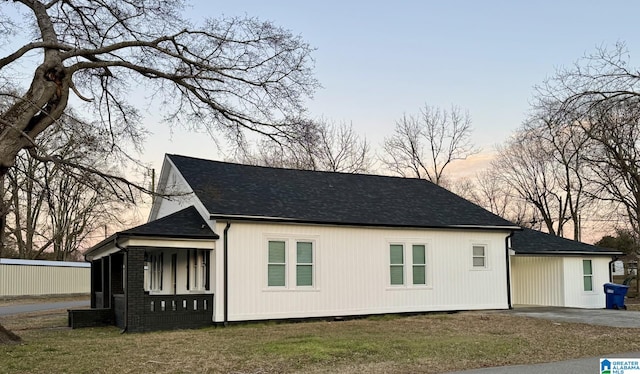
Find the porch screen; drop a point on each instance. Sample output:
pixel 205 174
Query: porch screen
pixel 276 265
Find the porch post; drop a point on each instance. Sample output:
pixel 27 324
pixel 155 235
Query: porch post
pixel 106 282
pixel 94 264
pixel 134 292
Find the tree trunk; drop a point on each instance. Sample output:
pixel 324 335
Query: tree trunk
pixel 4 210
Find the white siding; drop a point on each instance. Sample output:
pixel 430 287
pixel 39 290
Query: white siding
pixel 557 281
pixel 537 280
pixel 575 295
pixel 352 272
pixel 43 279
pixel 182 196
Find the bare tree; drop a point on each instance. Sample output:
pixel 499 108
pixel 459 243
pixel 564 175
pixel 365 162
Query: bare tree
pixel 228 76
pixel 27 204
pixel 487 190
pixel 423 146
pixel 597 81
pixel 601 96
pixel 525 164
pixel 564 149
pixel 52 210
pixel 615 158
pixel 325 146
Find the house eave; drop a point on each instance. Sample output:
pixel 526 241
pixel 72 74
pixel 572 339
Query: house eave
pixel 566 253
pixel 162 242
pixel 88 255
pixel 117 241
pixel 178 236
pixel 249 218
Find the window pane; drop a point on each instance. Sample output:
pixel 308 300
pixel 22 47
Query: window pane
pixel 478 250
pixel 304 275
pixel 586 267
pixel 305 253
pixel 397 275
pixel 276 252
pixel 418 254
pixel 276 275
pixel 478 261
pixel 419 275
pixel 397 257
pixel 588 283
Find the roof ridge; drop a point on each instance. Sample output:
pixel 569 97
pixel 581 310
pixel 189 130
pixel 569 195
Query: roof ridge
pixel 303 170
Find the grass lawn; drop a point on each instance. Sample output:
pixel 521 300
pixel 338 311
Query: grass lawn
pixel 386 344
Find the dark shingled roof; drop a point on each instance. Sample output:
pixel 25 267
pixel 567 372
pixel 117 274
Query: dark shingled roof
pixel 530 241
pixel 186 223
pixel 228 189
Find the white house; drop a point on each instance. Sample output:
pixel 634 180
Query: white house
pixel 239 243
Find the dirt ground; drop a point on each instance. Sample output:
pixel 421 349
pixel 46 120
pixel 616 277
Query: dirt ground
pixel 7 337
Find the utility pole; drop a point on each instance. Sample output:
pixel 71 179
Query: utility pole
pixel 153 181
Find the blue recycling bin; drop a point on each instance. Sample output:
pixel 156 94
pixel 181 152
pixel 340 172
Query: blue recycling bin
pixel 615 294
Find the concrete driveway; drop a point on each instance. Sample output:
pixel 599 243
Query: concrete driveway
pixel 603 317
pixel 27 308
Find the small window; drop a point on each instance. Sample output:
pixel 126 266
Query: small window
pixel 587 272
pixel 277 264
pixel 419 264
pixel 479 256
pixel 304 265
pixel 396 254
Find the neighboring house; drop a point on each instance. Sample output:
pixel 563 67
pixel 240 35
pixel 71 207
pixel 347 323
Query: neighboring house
pixel 553 271
pixel 240 243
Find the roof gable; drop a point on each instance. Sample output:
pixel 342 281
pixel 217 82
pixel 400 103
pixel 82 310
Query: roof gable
pixel 185 223
pixel 234 190
pixel 530 241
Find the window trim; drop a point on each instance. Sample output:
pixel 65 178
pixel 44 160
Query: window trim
pixel 311 264
pixel 422 265
pixel 291 262
pixel 400 265
pixel 283 264
pixel 408 265
pixel 485 256
pixel 585 275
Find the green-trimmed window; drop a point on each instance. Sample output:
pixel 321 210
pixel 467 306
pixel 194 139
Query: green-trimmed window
pixel 304 264
pixel 396 254
pixel 419 264
pixel 587 276
pixel 277 264
pixel 479 256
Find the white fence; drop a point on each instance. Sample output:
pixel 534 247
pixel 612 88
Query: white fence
pixel 36 278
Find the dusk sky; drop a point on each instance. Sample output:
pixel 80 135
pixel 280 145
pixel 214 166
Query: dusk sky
pixel 377 60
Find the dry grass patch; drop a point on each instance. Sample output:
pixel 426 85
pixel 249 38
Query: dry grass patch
pixel 428 343
pixel 41 299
